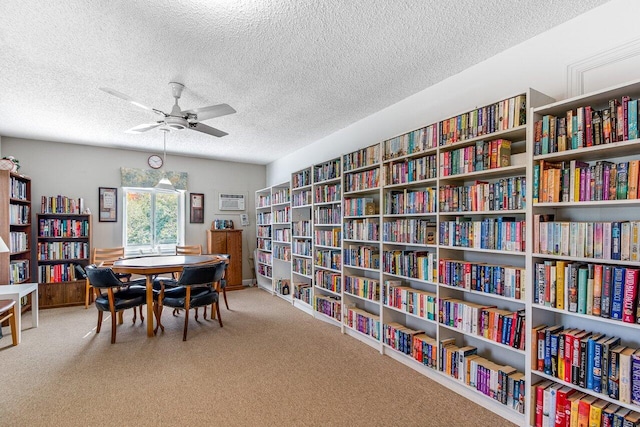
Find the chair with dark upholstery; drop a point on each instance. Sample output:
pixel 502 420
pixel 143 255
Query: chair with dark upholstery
pixel 104 257
pixel 8 312
pixel 195 289
pixel 119 296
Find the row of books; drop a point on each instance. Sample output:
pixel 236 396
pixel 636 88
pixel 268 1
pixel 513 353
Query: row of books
pixel 302 291
pixel 281 195
pixel 326 171
pixel 264 258
pixel 403 172
pixel 366 180
pixel 263 201
pixel 282 286
pixel 502 383
pixel 402 202
pixel 19 271
pixel 282 253
pixel 18 241
pixel 264 218
pixel 507 281
pixel 54 227
pixel 507 193
pixel 61 204
pixel 62 250
pixel 18 189
pixel 359 206
pixel 364 157
pixel 502 115
pixel 282 215
pixel 503 233
pixel 327 214
pixel 615 240
pixel 327 193
pixel 19 214
pixel 412 142
pixel 282 234
pixel 301 266
pixel 264 244
pixel 329 258
pixel 301 178
pixel 301 198
pixel 589 360
pixel 328 237
pixel 484 155
pixel 361 256
pixel 56 273
pixel 502 326
pixel 363 321
pixel 586 127
pixel 592 289
pixel 563 406
pixel 363 287
pixel 264 270
pixel 410 230
pixel 417 302
pixel 411 264
pixel 361 229
pixel 264 231
pixel 301 247
pixel 301 228
pixel 328 280
pixel 328 305
pixel 577 181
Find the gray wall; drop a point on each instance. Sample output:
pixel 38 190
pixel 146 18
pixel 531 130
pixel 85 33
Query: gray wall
pixel 78 170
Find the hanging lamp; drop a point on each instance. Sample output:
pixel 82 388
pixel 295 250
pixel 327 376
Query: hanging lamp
pixel 164 184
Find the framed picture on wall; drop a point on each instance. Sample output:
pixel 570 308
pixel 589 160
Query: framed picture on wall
pixel 196 205
pixel 108 204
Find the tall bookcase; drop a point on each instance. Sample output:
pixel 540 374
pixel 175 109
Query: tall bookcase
pixel 281 243
pixel 264 235
pixel 327 251
pixel 584 258
pixel 63 240
pixel 301 240
pixel 15 228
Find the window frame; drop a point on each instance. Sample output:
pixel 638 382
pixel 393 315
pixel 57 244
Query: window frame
pixel 153 248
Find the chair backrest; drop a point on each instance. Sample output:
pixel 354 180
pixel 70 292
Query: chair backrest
pixel 201 274
pixel 105 257
pixel 102 277
pixel 189 250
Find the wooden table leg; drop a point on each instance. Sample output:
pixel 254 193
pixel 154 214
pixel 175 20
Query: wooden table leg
pixel 150 306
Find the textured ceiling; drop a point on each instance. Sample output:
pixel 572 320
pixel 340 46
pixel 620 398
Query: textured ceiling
pixel 295 70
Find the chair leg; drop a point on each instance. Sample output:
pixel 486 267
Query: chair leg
pixel 141 315
pixel 113 327
pixel 12 323
pixel 186 324
pixel 87 289
pixel 218 313
pixel 157 310
pixel 134 315
pixel 120 317
pixel 205 314
pixel 99 321
pixel 224 294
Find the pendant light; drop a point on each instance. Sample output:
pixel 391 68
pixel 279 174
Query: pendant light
pixel 164 184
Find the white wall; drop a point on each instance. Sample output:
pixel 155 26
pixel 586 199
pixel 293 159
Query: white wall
pixel 77 171
pixel 540 63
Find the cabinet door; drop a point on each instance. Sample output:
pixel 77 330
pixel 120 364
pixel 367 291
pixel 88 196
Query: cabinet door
pixel 51 294
pixel 217 242
pixel 234 248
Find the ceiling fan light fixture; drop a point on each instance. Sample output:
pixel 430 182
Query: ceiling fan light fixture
pixel 165 185
pixel 176 123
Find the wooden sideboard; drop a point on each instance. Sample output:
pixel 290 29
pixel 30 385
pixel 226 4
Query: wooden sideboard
pixel 228 242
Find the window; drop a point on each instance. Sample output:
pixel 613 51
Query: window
pixel 154 220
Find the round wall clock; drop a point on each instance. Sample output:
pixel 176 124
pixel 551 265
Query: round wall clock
pixel 155 161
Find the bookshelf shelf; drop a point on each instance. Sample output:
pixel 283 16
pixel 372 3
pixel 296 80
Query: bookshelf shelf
pixel 587 260
pixel 361 297
pixel 489 173
pixel 412 184
pixel 590 318
pixel 517 133
pixel 481 338
pixel 487 251
pixel 494 212
pixel 590 204
pixel 328 291
pixel 484 294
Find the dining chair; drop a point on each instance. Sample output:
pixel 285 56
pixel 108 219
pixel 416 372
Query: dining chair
pixel 119 296
pixel 194 289
pixel 103 257
pixel 189 250
pixel 8 312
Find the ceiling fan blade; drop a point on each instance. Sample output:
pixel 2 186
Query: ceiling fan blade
pixel 205 113
pixel 207 129
pixel 143 127
pixel 131 100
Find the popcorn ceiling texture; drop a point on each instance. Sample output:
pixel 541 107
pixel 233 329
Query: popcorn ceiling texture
pixel 296 71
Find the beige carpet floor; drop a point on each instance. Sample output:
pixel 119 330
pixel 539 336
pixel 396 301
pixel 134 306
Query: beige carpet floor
pixel 270 365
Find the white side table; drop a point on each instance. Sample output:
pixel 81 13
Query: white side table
pixel 16 292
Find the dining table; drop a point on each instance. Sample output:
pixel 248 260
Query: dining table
pixel 152 266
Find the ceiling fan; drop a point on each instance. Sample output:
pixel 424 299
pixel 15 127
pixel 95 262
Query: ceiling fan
pixel 178 119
